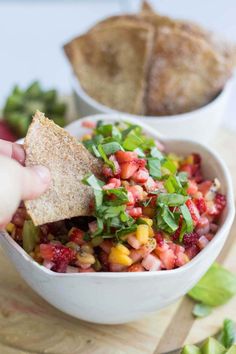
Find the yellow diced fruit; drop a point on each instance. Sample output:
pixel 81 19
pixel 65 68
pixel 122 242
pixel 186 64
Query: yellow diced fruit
pixel 148 211
pixel 85 258
pixel 148 221
pixel 150 232
pixel 10 227
pixel 122 249
pixel 142 233
pixel 86 137
pixel 116 256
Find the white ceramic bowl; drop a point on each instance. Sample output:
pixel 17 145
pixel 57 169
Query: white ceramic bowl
pixel 112 298
pixel 200 125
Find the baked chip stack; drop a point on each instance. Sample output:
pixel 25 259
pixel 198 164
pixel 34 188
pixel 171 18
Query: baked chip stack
pixel 148 64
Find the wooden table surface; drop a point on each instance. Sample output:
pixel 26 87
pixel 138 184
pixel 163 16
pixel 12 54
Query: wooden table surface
pixel 29 325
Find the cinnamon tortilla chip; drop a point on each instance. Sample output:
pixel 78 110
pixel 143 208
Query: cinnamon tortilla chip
pixel 68 161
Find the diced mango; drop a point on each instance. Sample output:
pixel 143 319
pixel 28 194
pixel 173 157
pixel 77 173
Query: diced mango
pixel 142 233
pixel 148 221
pixel 116 256
pixel 10 227
pixel 122 249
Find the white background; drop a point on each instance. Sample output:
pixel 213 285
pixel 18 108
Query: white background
pixel 32 34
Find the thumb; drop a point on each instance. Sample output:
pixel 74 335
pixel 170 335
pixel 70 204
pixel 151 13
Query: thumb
pixel 35 181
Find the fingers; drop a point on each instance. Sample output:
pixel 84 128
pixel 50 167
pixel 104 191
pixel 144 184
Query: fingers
pixel 19 183
pixel 35 181
pixel 12 150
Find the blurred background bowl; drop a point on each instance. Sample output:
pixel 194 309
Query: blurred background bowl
pixel 200 125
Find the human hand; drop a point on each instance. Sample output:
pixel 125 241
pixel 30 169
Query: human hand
pixel 18 182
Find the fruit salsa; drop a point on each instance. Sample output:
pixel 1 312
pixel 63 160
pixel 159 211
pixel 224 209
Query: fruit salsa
pixel 151 210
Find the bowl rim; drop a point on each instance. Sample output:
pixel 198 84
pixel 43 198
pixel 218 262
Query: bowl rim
pixel 172 272
pixel 79 91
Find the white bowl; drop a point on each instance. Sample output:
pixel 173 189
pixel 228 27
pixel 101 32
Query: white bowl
pixel 200 125
pixel 113 298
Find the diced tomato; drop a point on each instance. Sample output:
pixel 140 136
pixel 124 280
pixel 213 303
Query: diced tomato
pixel 137 267
pixel 135 212
pixel 192 187
pixel 125 156
pixel 193 211
pixel 151 263
pixel 77 236
pixel 88 124
pixel 128 169
pixel 140 176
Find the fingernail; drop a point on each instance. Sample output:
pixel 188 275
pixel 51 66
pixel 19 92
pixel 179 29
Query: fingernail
pixel 43 173
pixel 18 153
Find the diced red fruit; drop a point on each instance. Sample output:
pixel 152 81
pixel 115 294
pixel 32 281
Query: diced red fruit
pixel 168 259
pixel 128 169
pixel 57 253
pixel 192 251
pixel 103 258
pixel 112 183
pixel 137 255
pixel 181 259
pixel 108 172
pixel 176 234
pixel 202 242
pixel 189 169
pixel 135 212
pixel 130 198
pixel 141 163
pixel 192 187
pixel 88 124
pixel 137 192
pixel 137 267
pixel 196 158
pixel 106 246
pixel 190 239
pixel 6 132
pixel 213 227
pixel 159 239
pixel 133 241
pixel 150 185
pixel 193 211
pixel 220 202
pixel 203 226
pixel 77 236
pixel 141 176
pixel 93 226
pixel 151 263
pixel 115 267
pixel 201 205
pixel 125 156
pixel 204 187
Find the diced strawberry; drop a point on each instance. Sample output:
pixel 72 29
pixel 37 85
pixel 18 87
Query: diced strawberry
pixel 58 254
pixel 108 172
pixel 209 236
pixel 115 267
pixel 181 259
pixel 192 251
pixel 137 191
pixel 201 205
pixel 135 212
pixel 213 227
pixel 93 226
pixel 150 185
pixel 77 236
pixel 202 242
pixel 125 156
pixel 193 211
pixel 141 163
pixel 137 267
pixel 131 199
pixel 204 187
pixel 151 263
pixel 192 187
pixel 137 255
pixel 141 176
pixel 108 186
pixel 133 241
pixel 128 169
pixel 168 259
pixel 6 132
pixel 189 169
pixel 220 202
pixel 106 246
pixel 159 239
pixel 88 124
pixel 115 181
pixel 203 226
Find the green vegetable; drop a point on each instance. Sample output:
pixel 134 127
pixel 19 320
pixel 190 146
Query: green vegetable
pixel 166 220
pixel 156 153
pixel 154 166
pixel 171 199
pixel 191 349
pixel 111 148
pixel 201 310
pixel 227 336
pixel 169 165
pixel 216 287
pixel 21 105
pixel 232 350
pixel 187 218
pixel 212 346
pixel 30 235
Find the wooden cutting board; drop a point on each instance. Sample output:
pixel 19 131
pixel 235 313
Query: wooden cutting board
pixel 29 325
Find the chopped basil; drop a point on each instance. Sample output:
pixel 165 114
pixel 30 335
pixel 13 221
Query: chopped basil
pixel 104 157
pixel 171 199
pixel 111 148
pixel 156 153
pixel 166 220
pixel 187 218
pixel 227 336
pixel 169 165
pixel 154 166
